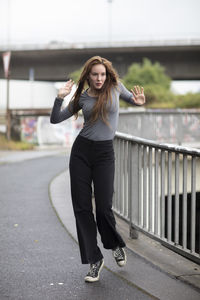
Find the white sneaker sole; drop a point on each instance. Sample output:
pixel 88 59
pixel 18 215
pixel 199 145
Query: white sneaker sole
pixel 121 263
pixel 92 279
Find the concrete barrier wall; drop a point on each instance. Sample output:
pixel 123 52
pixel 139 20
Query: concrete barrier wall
pixel 39 130
pixel 179 126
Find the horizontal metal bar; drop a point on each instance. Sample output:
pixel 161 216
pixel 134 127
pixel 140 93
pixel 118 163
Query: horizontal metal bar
pixel 161 111
pixel 168 147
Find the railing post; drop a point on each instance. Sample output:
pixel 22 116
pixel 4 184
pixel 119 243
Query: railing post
pixel 150 189
pixel 169 198
pixel 134 219
pixel 193 204
pixel 177 216
pixel 145 205
pixel 156 191
pixel 184 202
pixel 121 172
pixel 162 196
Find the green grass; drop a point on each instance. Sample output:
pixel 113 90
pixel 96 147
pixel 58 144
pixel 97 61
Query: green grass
pixel 13 145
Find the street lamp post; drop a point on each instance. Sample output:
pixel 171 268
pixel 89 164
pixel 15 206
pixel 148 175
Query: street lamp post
pixel 6 58
pixel 6 62
pixel 109 21
pixel 8 126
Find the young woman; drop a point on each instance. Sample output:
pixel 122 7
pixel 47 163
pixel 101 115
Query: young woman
pixel 92 158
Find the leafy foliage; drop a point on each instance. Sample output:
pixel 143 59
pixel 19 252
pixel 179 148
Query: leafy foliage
pixel 152 77
pixel 190 100
pixel 146 74
pixel 13 145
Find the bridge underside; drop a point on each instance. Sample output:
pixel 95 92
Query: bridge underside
pixel 180 62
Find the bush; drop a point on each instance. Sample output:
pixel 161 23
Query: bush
pixel 190 100
pixel 147 73
pixel 152 77
pixel 13 145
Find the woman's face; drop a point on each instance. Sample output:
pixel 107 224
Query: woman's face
pixel 97 77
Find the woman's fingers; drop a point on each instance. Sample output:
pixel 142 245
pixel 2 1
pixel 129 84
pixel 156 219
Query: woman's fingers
pixel 138 94
pixel 66 90
pixel 138 90
pixel 69 83
pixel 68 86
pixel 133 93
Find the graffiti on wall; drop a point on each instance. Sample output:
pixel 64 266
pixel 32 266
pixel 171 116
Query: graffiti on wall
pixel 29 130
pixel 191 128
pixel 39 130
pixel 176 127
pixel 62 133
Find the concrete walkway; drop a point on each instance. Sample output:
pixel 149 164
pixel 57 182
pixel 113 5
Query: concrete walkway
pixel 150 266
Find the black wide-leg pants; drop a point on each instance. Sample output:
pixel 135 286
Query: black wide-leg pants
pixel 93 161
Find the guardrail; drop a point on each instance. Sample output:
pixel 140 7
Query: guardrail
pixel 157 190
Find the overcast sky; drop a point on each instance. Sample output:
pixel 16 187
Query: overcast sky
pixel 74 21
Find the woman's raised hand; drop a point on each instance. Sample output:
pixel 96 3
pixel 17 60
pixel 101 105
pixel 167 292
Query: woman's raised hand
pixel 66 90
pixel 138 95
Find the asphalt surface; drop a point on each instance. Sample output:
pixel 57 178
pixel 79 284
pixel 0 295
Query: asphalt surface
pixel 38 258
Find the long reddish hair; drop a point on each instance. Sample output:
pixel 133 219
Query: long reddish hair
pixel 104 95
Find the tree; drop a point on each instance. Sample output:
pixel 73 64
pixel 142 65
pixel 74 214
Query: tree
pixel 153 78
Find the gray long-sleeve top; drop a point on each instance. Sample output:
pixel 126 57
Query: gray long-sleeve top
pixel 97 131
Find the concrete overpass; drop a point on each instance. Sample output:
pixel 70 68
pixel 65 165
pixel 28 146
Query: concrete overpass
pixel 54 62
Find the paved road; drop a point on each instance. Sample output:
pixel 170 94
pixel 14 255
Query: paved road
pixel 38 259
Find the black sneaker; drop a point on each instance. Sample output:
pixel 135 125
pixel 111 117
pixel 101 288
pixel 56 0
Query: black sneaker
pixel 120 256
pixel 95 269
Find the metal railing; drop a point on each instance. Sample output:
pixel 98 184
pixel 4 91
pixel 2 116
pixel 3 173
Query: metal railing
pixel 157 190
